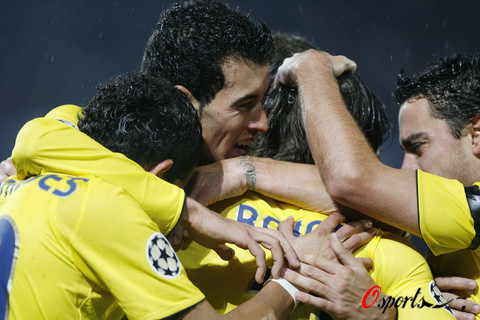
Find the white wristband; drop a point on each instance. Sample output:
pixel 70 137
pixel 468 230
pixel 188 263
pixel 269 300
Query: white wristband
pixel 291 289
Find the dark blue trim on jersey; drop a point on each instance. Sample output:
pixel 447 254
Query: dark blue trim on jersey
pixel 473 199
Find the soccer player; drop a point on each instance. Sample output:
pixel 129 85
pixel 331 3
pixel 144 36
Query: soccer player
pixel 77 246
pixel 397 268
pixel 441 210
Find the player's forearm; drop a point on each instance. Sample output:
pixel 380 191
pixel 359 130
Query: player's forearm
pixel 295 183
pixel 349 168
pixel 271 303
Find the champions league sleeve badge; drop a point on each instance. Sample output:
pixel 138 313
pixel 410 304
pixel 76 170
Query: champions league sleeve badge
pixel 161 257
pixel 438 297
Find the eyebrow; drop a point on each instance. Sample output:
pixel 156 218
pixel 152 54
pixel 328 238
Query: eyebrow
pixel 408 141
pixel 244 99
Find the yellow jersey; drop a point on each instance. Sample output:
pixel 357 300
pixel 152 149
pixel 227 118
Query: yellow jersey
pixel 398 268
pixel 53 144
pixel 76 247
pixel 448 227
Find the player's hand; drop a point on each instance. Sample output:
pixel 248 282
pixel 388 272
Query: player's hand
pixel 6 169
pixel 462 308
pixel 339 285
pixel 179 237
pixel 213 230
pixel 304 62
pixel 315 245
pixel 217 181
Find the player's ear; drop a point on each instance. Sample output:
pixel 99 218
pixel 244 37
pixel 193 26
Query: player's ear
pixel 192 99
pixel 475 132
pixel 161 167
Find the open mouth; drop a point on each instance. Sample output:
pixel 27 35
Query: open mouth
pixel 243 146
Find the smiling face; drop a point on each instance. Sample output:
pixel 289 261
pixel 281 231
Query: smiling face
pixel 430 146
pixel 235 115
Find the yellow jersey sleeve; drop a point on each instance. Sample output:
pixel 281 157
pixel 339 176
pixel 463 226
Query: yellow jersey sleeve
pixel 49 145
pixel 445 219
pixel 80 246
pixel 118 247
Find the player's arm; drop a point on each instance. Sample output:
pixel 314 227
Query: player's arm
pixel 213 230
pixel 272 302
pixel 156 277
pixel 295 183
pixel 352 174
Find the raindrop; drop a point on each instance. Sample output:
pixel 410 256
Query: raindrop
pixel 443 24
pixel 100 35
pixel 300 8
pixel 426 25
pixel 391 57
pixel 51 59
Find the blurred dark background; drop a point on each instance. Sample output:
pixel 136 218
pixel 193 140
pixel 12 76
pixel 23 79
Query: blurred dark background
pixel 56 52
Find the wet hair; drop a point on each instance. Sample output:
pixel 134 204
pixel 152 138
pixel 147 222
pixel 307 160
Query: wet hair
pixel 286 139
pixel 193 39
pixel 146 119
pixel 452 87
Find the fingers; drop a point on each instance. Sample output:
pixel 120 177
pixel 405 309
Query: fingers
pixel 286 228
pixel 285 251
pixel 3 177
pixel 462 306
pixel 224 252
pixel 351 228
pixel 310 279
pixel 342 64
pixel 457 283
pixel 313 300
pixel 6 169
pixel 459 315
pixel 358 240
pixel 343 255
pixel 367 262
pixel 330 223
pixel 255 249
pixel 276 243
pixel 175 236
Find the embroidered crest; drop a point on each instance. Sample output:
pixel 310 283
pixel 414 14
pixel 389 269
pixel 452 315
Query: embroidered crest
pixel 161 257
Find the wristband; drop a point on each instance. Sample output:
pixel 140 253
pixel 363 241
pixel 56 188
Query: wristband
pixel 291 289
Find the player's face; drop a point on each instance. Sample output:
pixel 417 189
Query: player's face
pixel 429 144
pixel 236 113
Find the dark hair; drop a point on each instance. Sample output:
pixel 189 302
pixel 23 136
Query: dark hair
pixel 193 39
pixel 452 87
pixel 148 120
pixel 286 139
